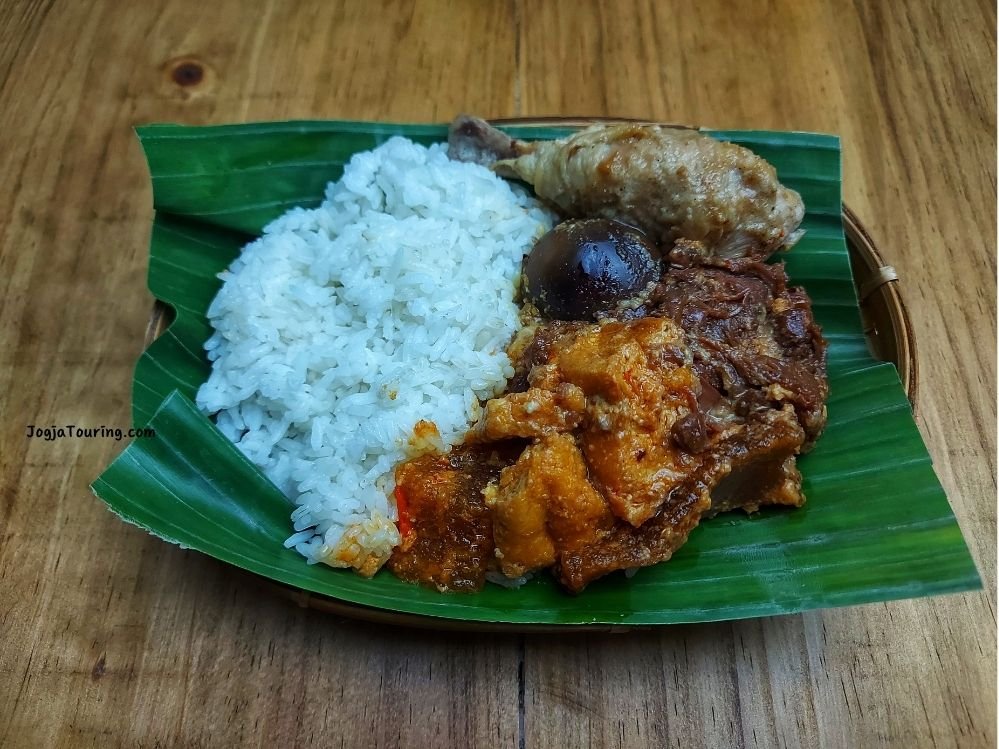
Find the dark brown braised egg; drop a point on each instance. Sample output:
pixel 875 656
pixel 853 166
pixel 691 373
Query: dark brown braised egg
pixel 583 268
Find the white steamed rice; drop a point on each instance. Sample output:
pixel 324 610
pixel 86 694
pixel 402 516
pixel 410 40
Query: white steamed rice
pixel 342 327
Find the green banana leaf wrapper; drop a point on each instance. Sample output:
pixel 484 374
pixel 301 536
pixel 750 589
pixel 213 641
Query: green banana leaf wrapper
pixel 877 525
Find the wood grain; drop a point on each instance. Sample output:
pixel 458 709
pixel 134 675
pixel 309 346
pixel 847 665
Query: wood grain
pixel 109 637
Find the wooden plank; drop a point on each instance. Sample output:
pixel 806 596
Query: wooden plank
pixel 912 92
pixel 110 637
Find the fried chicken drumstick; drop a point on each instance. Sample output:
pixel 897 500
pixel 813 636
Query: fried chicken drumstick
pixel 668 182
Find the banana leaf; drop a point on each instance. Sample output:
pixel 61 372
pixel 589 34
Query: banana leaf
pixel 877 525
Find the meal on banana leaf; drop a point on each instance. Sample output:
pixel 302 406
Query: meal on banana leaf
pixel 478 360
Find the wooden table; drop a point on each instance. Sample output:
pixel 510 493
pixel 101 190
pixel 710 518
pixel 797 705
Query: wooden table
pixel 109 637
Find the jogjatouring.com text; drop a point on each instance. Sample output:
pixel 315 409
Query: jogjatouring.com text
pixel 55 432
